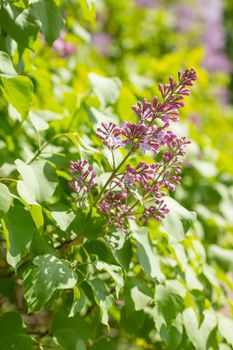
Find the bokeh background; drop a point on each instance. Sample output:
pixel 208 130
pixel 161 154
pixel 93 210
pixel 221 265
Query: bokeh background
pixel 142 42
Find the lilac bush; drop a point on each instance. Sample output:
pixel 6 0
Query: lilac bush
pixel 136 191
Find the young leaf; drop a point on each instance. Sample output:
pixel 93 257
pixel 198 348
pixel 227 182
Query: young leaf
pixel 88 10
pixel 39 181
pixel 106 89
pixel 5 199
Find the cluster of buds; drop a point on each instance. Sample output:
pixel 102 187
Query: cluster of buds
pixel 133 192
pixel 82 179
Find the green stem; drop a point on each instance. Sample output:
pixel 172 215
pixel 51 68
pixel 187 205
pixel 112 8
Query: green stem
pixel 7 179
pixel 111 177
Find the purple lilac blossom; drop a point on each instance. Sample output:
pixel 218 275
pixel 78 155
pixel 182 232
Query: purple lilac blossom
pixel 141 187
pixel 146 3
pixel 82 177
pixel 102 42
pixel 209 16
pixel 62 47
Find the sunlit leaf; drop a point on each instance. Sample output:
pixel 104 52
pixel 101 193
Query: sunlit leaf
pixel 39 181
pixel 5 199
pixel 106 89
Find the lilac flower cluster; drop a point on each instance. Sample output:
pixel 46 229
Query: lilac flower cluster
pixel 137 191
pixel 82 178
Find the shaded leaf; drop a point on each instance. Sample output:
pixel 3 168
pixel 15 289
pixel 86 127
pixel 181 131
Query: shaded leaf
pixel 114 271
pixel 50 17
pixel 102 297
pixel 68 331
pixel 170 299
pixel 20 25
pixel 79 301
pixel 146 254
pixel 13 333
pixel 47 276
pixel 19 231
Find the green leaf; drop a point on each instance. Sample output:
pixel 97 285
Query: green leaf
pixel 37 215
pixel 140 299
pixel 49 275
pixel 5 199
pixel 88 226
pixel 170 299
pixel 13 333
pixel 50 17
pixel 104 344
pixel 19 231
pixel 16 89
pixel 171 334
pixel 103 298
pixel 20 25
pixel 39 181
pixel 199 334
pixel 88 10
pixel 223 257
pixel 62 215
pixel 178 221
pixel 106 89
pixel 38 123
pixel 225 326
pixel 79 301
pixel 68 331
pixel 114 271
pixel 121 248
pixel 146 254
pixel 6 66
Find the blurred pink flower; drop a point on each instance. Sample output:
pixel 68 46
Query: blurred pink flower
pixel 146 3
pixel 63 48
pixel 101 42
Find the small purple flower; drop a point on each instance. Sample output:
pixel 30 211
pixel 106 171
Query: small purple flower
pixel 157 212
pixel 102 42
pixel 109 133
pixel 83 177
pixel 63 48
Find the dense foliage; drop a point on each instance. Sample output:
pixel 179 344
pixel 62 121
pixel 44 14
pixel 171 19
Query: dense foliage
pixel 97 249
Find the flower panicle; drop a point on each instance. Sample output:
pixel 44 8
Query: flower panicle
pixel 137 192
pixel 83 177
pixel 172 95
